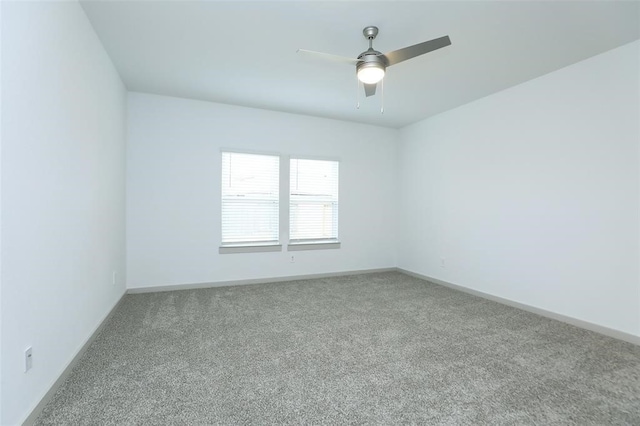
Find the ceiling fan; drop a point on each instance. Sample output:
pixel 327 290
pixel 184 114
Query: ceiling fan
pixel 371 64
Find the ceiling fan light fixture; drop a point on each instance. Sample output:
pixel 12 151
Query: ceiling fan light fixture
pixel 371 65
pixel 370 73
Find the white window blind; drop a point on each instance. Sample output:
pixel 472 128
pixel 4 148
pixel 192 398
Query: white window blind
pixel 250 198
pixel 313 192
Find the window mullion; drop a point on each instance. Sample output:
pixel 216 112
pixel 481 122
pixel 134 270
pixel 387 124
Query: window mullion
pixel 285 171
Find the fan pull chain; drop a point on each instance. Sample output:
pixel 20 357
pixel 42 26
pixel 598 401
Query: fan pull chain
pixel 357 93
pixel 382 96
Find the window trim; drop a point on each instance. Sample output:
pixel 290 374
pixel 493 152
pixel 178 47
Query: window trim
pixel 314 245
pixel 249 151
pixel 249 248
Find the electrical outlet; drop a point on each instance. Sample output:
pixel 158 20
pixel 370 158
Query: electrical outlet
pixel 292 259
pixel 442 262
pixel 28 359
pixel 114 278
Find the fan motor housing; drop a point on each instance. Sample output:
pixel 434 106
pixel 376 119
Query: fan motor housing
pixel 371 58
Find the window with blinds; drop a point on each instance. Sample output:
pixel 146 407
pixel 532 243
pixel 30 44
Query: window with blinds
pixel 313 198
pixel 250 198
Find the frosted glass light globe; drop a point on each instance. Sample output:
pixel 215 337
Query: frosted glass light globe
pixel 370 75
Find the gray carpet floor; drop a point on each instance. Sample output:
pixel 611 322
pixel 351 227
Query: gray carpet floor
pixel 380 348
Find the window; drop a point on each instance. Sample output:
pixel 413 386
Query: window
pixel 250 199
pixel 313 210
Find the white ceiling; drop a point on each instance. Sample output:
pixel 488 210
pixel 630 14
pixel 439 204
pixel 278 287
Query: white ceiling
pixel 244 53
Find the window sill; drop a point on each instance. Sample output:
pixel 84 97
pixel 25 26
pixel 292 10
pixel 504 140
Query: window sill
pixel 253 248
pixel 318 245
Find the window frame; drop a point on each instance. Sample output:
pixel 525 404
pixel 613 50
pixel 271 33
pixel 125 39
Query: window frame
pixel 284 208
pixel 311 244
pixel 251 246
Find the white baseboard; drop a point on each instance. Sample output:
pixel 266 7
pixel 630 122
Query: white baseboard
pixel 35 412
pixel 154 289
pixel 609 332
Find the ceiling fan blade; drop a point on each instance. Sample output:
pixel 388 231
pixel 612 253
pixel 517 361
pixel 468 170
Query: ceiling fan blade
pixel 416 50
pixel 329 56
pixel 370 89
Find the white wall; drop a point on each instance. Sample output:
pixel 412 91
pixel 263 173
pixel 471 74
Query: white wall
pixel 1 31
pixel 532 194
pixel 63 136
pixel 173 190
